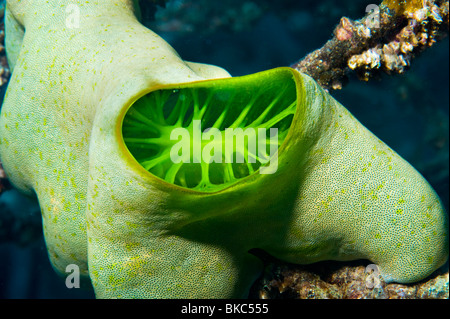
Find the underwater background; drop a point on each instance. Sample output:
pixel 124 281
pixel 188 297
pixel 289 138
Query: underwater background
pixel 409 112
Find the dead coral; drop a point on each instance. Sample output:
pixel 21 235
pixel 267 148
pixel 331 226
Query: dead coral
pixel 404 6
pixel 387 39
pixel 395 56
pixel 330 280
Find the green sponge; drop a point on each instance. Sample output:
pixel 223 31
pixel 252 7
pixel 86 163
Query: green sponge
pixel 242 120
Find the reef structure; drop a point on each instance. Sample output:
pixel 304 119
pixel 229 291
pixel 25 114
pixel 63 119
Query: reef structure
pixel 386 39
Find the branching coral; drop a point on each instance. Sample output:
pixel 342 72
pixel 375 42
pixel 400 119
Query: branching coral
pixel 386 39
pixel 329 280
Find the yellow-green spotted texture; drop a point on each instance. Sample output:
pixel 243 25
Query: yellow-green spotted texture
pixel 338 192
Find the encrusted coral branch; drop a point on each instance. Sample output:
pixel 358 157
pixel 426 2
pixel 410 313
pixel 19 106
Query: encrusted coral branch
pixel 332 280
pixel 386 39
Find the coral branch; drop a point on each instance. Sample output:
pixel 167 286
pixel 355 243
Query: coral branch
pixel 386 39
pixel 334 280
